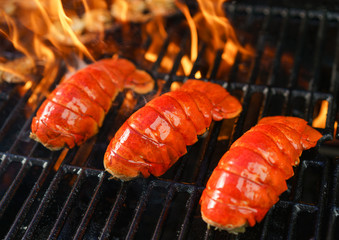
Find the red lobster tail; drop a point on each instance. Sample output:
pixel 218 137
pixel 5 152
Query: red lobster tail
pixel 250 177
pixel 157 134
pixel 75 110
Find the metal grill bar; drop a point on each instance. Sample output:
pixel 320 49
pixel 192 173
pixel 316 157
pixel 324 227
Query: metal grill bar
pixel 9 209
pixel 300 45
pixel 14 114
pixel 85 219
pixel 191 203
pixel 195 67
pixel 260 47
pixel 322 202
pixel 161 54
pixel 114 212
pixel 318 52
pixel 43 205
pixel 257 102
pixel 163 214
pixel 21 134
pixel 139 210
pixel 66 208
pixel 14 186
pixel 281 43
pixel 28 202
pixel 333 207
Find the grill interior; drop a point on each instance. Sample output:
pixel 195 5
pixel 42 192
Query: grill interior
pixel 56 195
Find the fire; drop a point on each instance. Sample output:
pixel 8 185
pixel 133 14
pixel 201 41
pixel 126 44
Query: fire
pixel 208 25
pixel 46 35
pixel 65 23
pixel 192 26
pixel 123 10
pixel 48 32
pixel 218 32
pixel 230 52
pixel 320 120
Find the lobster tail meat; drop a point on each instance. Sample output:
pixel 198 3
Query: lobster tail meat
pixel 250 177
pixel 76 109
pixel 157 135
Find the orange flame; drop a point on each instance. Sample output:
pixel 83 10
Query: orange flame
pixel 46 34
pixel 209 25
pixel 156 29
pixel 49 24
pixel 320 120
pixel 13 35
pixel 192 26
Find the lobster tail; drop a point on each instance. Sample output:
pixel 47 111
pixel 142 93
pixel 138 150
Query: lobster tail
pixel 75 110
pixel 250 177
pixel 156 136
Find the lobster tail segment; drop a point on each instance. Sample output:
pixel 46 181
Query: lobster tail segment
pixel 225 106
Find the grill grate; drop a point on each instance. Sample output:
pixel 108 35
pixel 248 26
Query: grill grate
pixel 67 194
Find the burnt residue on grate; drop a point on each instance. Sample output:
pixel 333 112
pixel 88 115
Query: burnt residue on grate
pixel 67 194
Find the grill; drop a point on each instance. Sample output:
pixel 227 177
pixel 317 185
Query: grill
pixel 67 194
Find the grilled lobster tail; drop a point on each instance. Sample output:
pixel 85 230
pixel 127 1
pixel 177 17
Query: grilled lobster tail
pixel 250 177
pixel 75 110
pixel 156 136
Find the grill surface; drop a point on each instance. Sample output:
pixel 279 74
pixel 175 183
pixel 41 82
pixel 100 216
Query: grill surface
pixel 66 194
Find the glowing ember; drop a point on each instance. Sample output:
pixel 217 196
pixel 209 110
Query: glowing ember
pixel 175 86
pixel 187 65
pixel 197 75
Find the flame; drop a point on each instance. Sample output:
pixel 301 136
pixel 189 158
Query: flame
pixel 157 31
pixel 209 25
pixel 320 120
pixel 192 26
pixel 123 7
pixel 46 35
pixel 13 35
pixel 65 29
pixel 51 28
pixel 187 65
pixel 60 159
pixel 65 23
pixel 175 86
pixel 197 75
pixel 9 70
pixel 230 52
pixel 219 31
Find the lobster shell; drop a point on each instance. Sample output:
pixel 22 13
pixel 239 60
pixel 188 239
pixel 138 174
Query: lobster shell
pixel 75 110
pixel 250 177
pixel 156 136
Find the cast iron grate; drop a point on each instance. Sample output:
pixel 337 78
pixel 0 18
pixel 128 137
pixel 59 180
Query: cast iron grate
pixel 67 194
